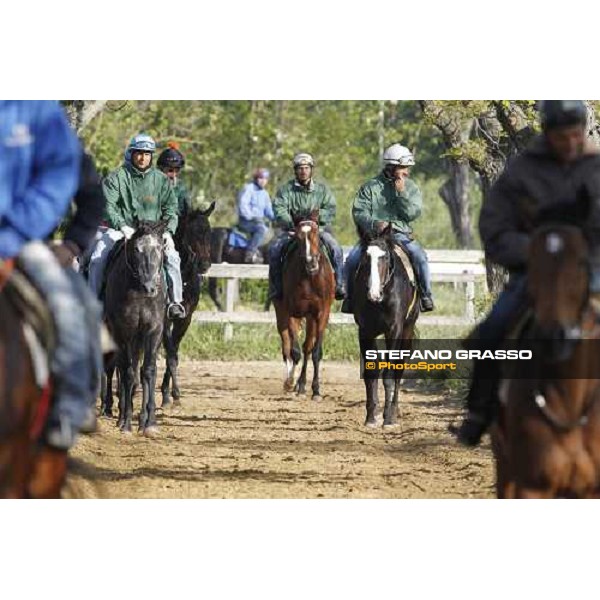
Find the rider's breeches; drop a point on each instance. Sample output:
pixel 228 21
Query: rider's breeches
pixel 99 257
pixel 418 259
pixel 490 333
pixel 336 251
pixel 173 264
pixel 70 366
pixel 257 229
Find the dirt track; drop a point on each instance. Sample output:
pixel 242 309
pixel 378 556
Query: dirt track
pixel 238 435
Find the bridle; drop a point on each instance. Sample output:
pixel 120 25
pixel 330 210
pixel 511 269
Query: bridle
pixel 310 270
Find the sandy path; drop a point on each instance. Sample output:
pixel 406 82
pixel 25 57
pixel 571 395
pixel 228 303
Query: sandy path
pixel 238 435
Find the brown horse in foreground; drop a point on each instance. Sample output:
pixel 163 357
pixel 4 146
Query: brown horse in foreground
pixel 547 438
pixel 27 468
pixel 308 292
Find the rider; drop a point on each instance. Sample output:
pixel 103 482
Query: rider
pixel 137 191
pixel 300 196
pixel 171 162
pixel 39 170
pixel 390 198
pixel 254 206
pixel 558 163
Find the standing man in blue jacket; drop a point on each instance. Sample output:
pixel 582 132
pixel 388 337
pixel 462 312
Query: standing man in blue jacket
pixel 40 160
pixel 254 206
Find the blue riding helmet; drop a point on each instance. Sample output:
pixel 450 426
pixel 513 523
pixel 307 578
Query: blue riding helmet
pixel 142 142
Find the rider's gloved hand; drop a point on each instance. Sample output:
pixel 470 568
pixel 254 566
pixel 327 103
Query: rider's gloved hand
pixel 169 243
pixel 127 231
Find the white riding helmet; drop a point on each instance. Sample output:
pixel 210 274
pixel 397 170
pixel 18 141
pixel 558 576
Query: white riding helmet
pixel 398 155
pixel 303 159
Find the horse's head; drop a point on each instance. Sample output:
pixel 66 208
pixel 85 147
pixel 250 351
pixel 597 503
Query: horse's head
pixel 306 230
pixel 194 236
pixel 378 262
pixel 558 279
pixel 144 254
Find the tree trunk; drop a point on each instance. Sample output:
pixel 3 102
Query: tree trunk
pixel 455 193
pixel 81 112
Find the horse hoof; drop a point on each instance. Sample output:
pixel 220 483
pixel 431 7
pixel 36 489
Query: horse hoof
pixel 371 424
pixel 151 432
pixel 177 403
pixel 317 398
pixel 391 425
pixel 126 431
pixel 288 387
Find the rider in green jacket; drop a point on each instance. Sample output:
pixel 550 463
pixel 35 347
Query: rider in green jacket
pixel 136 191
pixel 300 196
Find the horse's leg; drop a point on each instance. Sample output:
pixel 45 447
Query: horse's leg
pixel 179 330
pixel 370 383
pixel 168 346
pixel 213 292
pixel 127 375
pixel 391 380
pixel 148 425
pixel 317 355
pixel 308 346
pixel 106 391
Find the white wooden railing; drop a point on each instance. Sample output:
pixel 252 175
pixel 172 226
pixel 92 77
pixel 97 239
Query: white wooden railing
pixel 461 267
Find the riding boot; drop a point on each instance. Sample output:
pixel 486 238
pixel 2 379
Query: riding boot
pixel 176 310
pixel 482 404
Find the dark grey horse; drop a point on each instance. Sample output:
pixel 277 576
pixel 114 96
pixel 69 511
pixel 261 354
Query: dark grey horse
pixel 134 308
pixel 192 241
pixel 384 303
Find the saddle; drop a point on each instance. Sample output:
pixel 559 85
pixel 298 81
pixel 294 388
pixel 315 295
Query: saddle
pixel 406 263
pixel 38 325
pixel 238 238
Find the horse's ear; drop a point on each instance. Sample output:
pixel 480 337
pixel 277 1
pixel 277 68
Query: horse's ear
pixel 209 210
pixel 314 215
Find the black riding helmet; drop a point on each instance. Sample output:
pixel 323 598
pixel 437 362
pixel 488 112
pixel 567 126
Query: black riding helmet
pixel 562 113
pixel 171 157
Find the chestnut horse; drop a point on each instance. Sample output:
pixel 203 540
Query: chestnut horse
pixel 547 437
pixel 308 292
pixel 28 469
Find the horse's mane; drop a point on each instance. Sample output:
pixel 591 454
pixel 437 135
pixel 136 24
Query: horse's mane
pixel 149 228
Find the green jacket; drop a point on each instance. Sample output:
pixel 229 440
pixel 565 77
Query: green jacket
pixel 378 200
pixel 132 195
pixel 184 204
pixel 293 199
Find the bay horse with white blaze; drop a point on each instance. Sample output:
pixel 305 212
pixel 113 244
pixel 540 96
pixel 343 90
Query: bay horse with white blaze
pixel 546 440
pixel 385 303
pixel 308 292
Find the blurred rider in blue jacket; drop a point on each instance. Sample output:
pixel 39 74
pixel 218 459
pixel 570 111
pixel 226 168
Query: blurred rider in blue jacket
pixel 254 206
pixel 40 159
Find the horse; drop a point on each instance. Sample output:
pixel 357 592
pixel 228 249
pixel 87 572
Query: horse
pixel 221 251
pixel 134 310
pixel 385 303
pixel 546 439
pixel 308 292
pixel 28 468
pixel 192 240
